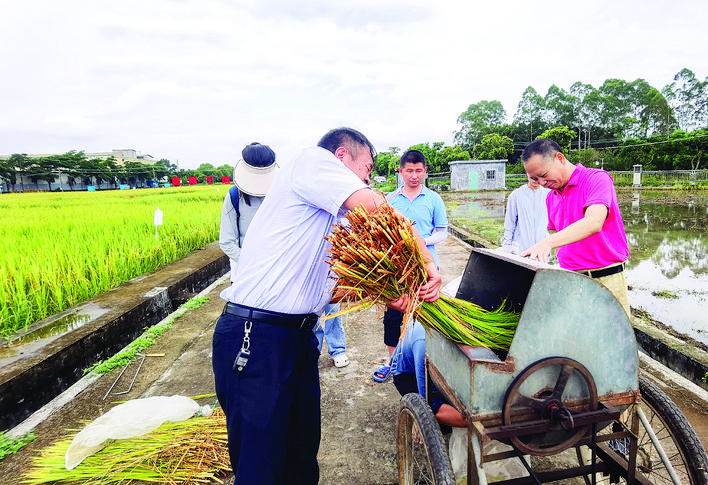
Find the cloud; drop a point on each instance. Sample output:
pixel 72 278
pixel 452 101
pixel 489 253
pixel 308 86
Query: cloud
pixel 195 81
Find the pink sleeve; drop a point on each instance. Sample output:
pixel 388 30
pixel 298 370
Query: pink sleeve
pixel 598 190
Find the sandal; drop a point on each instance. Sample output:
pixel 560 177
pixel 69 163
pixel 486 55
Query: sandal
pixel 382 373
pixel 341 360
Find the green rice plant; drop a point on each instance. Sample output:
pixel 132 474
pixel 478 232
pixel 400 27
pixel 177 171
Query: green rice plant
pixel 376 258
pixel 463 321
pixel 59 249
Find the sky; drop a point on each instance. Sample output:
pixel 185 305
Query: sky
pixel 194 81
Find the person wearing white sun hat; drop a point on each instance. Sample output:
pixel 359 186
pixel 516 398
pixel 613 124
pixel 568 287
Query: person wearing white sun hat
pixel 253 176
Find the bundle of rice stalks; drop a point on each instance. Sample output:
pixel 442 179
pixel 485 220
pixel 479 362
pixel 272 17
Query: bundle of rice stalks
pixel 194 451
pixel 377 259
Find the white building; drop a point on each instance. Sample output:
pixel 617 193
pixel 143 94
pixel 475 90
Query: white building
pixel 121 156
pixel 477 174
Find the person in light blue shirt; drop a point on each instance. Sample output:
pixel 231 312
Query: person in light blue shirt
pixel 526 219
pixel 418 203
pixel 426 210
pixel 409 358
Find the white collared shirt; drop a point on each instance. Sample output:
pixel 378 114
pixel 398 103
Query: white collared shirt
pixel 282 265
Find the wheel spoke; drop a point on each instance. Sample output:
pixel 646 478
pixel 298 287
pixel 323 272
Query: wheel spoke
pixel 545 397
pixel 565 373
pixel 522 401
pixel 675 436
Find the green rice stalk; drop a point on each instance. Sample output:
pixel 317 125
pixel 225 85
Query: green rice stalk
pixel 377 259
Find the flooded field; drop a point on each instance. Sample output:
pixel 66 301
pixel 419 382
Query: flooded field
pixel 667 233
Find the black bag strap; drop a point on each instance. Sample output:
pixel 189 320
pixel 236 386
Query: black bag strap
pixel 233 193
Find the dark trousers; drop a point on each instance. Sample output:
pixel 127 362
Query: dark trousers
pixel 273 407
pixel 392 321
pixel 405 383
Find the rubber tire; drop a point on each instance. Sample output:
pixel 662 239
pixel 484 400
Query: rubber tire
pixel 436 468
pixel 663 413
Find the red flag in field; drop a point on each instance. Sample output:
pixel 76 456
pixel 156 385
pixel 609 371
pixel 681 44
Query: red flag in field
pixel 176 181
pixel 225 179
pixel 192 180
pixel 210 179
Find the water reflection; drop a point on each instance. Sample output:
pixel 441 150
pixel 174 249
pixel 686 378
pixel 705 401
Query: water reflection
pixel 667 232
pixel 668 258
pixel 49 329
pixel 636 195
pixel 474 205
pixel 670 233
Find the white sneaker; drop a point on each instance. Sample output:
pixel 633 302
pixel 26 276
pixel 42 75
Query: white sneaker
pixel 341 360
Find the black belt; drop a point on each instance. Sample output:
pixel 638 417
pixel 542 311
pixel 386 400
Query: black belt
pixel 303 322
pixel 599 273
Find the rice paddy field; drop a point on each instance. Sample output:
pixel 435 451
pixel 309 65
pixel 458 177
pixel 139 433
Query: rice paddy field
pixel 61 248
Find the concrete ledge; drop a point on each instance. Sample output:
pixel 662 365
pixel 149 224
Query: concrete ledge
pixel 687 359
pixel 470 239
pixel 34 372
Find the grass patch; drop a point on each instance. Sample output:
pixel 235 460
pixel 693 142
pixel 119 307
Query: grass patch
pixel 125 356
pixel 489 229
pixel 386 188
pixel 9 445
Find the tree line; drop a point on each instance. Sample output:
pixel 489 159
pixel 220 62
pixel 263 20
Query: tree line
pixel 618 125
pixel 74 168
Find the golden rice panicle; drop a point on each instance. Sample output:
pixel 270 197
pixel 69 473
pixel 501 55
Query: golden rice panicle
pixel 190 452
pixel 377 258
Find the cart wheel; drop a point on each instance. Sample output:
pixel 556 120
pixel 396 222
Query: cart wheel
pixel 675 435
pixel 422 457
pixel 552 389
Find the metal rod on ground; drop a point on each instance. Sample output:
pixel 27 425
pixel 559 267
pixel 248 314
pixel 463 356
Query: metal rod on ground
pixel 116 381
pixel 136 375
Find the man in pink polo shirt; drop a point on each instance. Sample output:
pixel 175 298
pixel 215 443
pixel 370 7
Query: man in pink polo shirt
pixel 583 210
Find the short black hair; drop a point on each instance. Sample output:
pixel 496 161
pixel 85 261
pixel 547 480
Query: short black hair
pixel 412 156
pixel 348 138
pixel 545 147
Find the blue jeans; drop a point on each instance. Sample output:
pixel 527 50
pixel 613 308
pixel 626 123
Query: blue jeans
pixel 333 332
